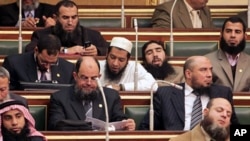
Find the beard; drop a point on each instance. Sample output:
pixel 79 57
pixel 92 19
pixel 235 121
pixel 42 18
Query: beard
pixel 83 95
pixel 29 7
pixel 213 130
pixel 10 136
pixel 67 39
pixel 232 49
pixel 160 72
pixel 109 74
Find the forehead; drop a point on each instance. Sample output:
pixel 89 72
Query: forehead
pixel 118 52
pixel 222 103
pixel 68 11
pixel 202 63
pixel 12 112
pixel 233 26
pixel 89 66
pixel 153 46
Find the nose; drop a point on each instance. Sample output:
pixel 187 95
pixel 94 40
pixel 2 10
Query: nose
pixel 70 20
pixel 14 121
pixel 116 62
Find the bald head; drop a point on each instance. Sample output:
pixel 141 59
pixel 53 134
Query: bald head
pixel 194 61
pixel 87 61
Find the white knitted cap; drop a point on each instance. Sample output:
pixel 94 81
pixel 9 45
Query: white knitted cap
pixel 123 43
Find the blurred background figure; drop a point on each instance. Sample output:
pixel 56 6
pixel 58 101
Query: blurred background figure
pixel 34 14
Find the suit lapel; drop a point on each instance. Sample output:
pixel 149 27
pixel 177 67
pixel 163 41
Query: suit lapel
pixel 240 68
pixel 77 107
pixel 225 66
pixel 184 16
pixel 31 68
pixel 98 108
pixel 55 73
pixel 178 102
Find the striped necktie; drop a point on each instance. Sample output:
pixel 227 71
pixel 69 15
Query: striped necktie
pixel 196 111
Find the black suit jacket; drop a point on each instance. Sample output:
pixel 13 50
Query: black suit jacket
pixel 19 98
pixel 23 67
pixel 87 34
pixel 64 105
pixel 10 14
pixel 169 108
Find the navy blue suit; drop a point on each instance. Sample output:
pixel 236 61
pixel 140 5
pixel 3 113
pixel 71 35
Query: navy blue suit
pixel 23 67
pixel 10 14
pixel 169 108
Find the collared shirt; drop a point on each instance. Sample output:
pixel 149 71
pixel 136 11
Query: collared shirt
pixel 30 13
pixel 232 61
pixel 39 73
pixel 189 101
pixel 194 16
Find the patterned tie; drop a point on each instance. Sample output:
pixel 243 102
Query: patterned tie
pixel 87 108
pixel 29 15
pixel 197 111
pixel 43 76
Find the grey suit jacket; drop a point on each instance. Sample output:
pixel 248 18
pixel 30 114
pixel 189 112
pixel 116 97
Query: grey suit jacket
pixel 169 108
pixel 222 72
pixel 23 67
pixel 181 18
pixel 195 134
pixel 65 105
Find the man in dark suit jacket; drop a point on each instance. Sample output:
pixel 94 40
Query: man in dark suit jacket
pixel 68 104
pixel 4 88
pixel 43 14
pixel 173 107
pixel 181 14
pixel 30 66
pixel 75 39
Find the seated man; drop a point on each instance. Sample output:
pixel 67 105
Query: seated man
pixel 17 124
pixel 40 65
pixel 155 61
pixel 4 88
pixel 75 39
pixel 186 14
pixel 34 14
pixel 215 125
pixel 118 72
pixel 173 107
pixel 70 103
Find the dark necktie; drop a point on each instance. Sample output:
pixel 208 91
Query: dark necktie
pixel 196 111
pixel 43 76
pixel 87 107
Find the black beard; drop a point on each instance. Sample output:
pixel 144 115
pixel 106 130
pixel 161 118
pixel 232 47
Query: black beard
pixel 68 39
pixel 81 95
pixel 231 49
pixel 9 136
pixel 215 132
pixel 160 72
pixel 203 90
pixel 109 74
pixel 40 67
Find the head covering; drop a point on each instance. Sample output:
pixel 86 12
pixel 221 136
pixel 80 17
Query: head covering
pixel 122 43
pixel 12 104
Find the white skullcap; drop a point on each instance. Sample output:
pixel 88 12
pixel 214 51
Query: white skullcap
pixel 122 43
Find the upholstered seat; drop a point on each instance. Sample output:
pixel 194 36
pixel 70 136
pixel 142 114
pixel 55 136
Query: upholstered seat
pixel 39 113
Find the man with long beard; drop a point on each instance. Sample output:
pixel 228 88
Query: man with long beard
pixel 17 124
pixel 68 104
pixel 155 61
pixel 118 72
pixel 75 39
pixel 214 126
pixel 230 62
pixel 34 14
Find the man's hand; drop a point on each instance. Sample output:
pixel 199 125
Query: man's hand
pixel 30 22
pixel 130 124
pixel 89 51
pixel 48 21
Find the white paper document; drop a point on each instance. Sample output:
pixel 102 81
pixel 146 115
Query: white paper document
pixel 100 125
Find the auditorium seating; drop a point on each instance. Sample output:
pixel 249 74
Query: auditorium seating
pixel 135 105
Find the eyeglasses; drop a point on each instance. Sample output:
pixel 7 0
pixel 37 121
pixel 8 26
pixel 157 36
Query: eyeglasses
pixel 87 79
pixel 43 62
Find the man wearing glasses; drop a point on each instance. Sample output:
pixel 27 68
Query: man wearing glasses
pixel 43 64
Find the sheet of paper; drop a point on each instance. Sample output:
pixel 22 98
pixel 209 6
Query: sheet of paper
pixel 100 125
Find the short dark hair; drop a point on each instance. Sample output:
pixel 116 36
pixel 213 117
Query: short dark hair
pixel 65 3
pixel 144 47
pixel 49 42
pixel 234 19
pixel 79 62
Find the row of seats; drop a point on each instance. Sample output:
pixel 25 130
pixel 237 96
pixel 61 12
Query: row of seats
pixel 134 105
pixel 181 48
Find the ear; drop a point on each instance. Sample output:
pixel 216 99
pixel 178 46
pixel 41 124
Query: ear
pixel 245 36
pixel 188 73
pixel 205 111
pixel 75 75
